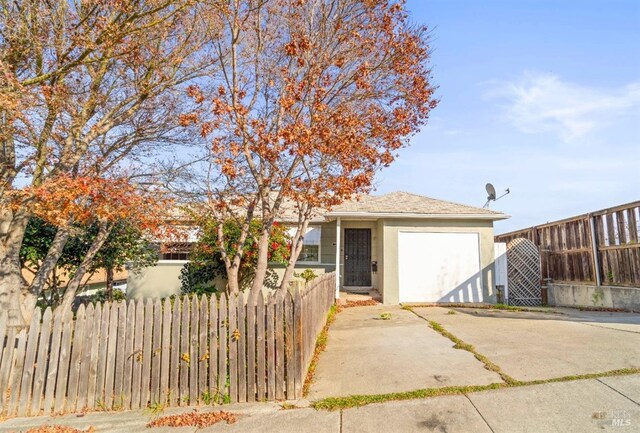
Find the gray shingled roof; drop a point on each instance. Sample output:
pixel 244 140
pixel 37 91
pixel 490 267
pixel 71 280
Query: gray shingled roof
pixel 406 203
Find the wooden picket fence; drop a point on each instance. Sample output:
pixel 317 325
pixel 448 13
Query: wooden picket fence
pixel 194 350
pixel 600 248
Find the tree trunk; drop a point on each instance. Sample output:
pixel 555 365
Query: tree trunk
pixel 296 248
pixel 233 283
pixel 108 291
pixel 50 261
pixel 74 284
pixel 262 264
pixel 12 292
pixel 15 298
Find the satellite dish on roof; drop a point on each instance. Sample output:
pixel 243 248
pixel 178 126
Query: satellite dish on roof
pixel 491 191
pixel 491 194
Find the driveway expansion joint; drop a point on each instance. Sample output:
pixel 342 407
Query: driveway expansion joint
pixel 460 344
pixel 624 395
pixel 479 413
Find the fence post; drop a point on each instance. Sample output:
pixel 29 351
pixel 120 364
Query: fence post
pixel 594 250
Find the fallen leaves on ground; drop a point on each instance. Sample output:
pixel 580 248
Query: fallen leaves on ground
pixel 363 303
pixel 194 419
pixel 59 429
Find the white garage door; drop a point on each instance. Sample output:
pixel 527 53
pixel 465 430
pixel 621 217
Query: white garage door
pixel 439 267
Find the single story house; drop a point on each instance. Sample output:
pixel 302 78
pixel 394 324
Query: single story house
pixel 408 247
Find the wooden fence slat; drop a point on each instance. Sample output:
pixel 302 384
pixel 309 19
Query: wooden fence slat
pixel 123 399
pixel 251 348
pixel 290 365
pixel 152 358
pixel 3 334
pixel 124 312
pixel 184 354
pixel 137 354
pixel 271 356
pixel 29 364
pixel 108 309
pixel 7 363
pixel 242 349
pixel 60 393
pixel 16 371
pixel 223 389
pixel 116 320
pixel 96 341
pixel 297 343
pixel 233 349
pixel 52 373
pixel 41 362
pixel 633 225
pixel 213 348
pixel 149 324
pixel 87 347
pixel 194 338
pixel 260 352
pixel 279 335
pixel 165 343
pixel 203 350
pixel 77 342
pixel 174 366
pixel 3 324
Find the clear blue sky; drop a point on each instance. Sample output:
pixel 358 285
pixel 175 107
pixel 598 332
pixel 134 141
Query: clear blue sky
pixel 539 96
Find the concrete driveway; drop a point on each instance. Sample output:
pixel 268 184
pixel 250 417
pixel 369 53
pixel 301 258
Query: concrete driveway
pixel 368 355
pixel 537 346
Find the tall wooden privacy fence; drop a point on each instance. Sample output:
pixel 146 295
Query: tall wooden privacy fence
pixel 192 351
pixel 599 248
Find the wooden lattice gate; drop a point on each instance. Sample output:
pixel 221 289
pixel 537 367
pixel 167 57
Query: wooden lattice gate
pixel 523 273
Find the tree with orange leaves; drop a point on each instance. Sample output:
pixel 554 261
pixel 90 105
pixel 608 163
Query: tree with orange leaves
pixel 313 98
pixel 67 201
pixel 90 93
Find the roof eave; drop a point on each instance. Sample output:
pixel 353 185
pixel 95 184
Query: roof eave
pixel 378 215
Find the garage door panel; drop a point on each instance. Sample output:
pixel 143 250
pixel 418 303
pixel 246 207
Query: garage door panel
pixel 439 267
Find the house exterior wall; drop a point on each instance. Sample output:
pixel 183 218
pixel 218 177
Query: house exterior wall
pixel 163 279
pixel 391 227
pixel 159 281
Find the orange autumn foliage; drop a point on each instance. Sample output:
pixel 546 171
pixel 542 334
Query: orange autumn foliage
pixel 65 200
pixel 316 98
pixel 345 91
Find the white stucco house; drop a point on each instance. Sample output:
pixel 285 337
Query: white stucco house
pixel 409 248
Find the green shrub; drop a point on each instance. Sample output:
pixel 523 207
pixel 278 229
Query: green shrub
pixel 307 275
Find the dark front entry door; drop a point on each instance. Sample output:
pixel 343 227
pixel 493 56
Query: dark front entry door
pixel 357 257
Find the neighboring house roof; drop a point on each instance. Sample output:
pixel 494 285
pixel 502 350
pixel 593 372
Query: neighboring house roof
pixel 401 204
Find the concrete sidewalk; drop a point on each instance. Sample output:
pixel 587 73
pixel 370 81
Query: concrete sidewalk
pixel 594 405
